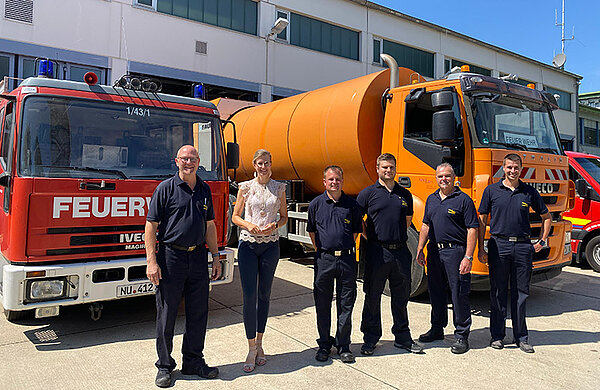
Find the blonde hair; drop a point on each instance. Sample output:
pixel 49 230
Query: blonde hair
pixel 261 153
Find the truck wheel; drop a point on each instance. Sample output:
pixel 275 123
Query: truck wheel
pixel 13 315
pixel 418 281
pixel 592 253
pixel 232 229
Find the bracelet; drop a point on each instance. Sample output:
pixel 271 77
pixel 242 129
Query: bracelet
pixel 470 258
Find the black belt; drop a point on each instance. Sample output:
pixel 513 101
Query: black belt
pixel 184 248
pixel 513 238
pixel 339 252
pixel 391 245
pixel 442 245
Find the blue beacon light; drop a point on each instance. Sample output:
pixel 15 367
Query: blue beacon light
pixel 45 68
pixel 199 91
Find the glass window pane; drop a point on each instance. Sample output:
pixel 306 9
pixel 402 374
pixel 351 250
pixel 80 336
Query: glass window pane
pixel 4 67
pixel 326 37
pixel 295 29
pixel 77 73
pixel 224 13
pixel 195 10
pixel 145 2
pixel 305 32
pixel 250 17
pixel 210 11
pixel 354 45
pixel 376 51
pixel 283 33
pixel 564 101
pixel 165 6
pixel 336 40
pixel 237 15
pixel 315 34
pixel 409 57
pixel 28 68
pixel 180 8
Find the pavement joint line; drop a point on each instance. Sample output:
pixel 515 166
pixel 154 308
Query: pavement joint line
pixel 565 292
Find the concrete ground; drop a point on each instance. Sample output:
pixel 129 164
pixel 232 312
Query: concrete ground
pixel 117 352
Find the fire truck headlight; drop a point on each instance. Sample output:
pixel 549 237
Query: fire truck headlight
pixel 46 289
pixel 567 243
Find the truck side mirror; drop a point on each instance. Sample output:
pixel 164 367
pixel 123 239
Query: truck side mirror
pixel 443 126
pixel 233 155
pixel 442 100
pixel 582 188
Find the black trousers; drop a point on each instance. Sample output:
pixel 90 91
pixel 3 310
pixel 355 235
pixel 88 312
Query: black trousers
pixel 443 272
pixel 341 270
pixel 184 274
pixel 509 262
pixel 386 265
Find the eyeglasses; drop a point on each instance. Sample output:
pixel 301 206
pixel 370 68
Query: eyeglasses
pixel 192 160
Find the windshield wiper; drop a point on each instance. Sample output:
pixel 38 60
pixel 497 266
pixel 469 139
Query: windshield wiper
pixel 547 150
pixel 88 169
pixel 158 176
pixel 516 146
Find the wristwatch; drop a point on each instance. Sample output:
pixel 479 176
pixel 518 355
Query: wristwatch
pixel 215 254
pixel 542 242
pixel 470 258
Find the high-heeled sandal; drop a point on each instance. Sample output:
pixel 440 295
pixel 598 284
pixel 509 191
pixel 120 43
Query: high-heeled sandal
pixel 249 367
pixel 261 360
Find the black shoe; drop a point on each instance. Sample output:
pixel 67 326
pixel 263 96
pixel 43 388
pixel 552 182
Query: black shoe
pixel 497 344
pixel 163 378
pixel 322 355
pixel 347 357
pixel 367 349
pixel 460 346
pixel 409 346
pixel 203 371
pixel 525 347
pixel 431 335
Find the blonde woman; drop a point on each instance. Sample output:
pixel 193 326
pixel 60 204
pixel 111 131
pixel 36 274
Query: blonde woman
pixel 261 199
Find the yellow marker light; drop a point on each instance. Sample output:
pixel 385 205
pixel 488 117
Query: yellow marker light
pixel 415 81
pixel 465 68
pixel 531 85
pixel 35 274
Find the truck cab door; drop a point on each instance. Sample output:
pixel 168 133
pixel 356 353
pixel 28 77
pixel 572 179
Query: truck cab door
pixel 585 210
pixel 6 155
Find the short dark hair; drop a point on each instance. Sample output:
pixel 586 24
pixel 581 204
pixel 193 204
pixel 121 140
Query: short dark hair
pixel 386 157
pixel 334 168
pixel 513 157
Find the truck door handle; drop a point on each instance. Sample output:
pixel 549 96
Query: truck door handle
pixel 97 185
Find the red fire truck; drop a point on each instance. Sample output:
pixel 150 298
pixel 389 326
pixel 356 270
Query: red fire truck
pixel 78 165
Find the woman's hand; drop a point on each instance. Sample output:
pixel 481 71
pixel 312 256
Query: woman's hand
pixel 269 228
pixel 252 228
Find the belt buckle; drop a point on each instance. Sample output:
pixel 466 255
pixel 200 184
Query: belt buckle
pixel 393 246
pixel 513 239
pixel 191 248
pixel 337 253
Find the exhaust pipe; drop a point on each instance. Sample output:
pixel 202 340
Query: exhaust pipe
pixel 393 65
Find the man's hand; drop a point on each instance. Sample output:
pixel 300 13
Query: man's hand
pixel 421 257
pixel 482 255
pixel 216 269
pixel 465 266
pixel 153 272
pixel 537 247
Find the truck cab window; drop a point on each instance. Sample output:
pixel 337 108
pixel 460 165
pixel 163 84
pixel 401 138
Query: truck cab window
pixel 7 125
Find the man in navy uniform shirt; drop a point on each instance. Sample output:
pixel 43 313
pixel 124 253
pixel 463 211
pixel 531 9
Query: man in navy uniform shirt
pixel 389 210
pixel 450 223
pixel 181 210
pixel 509 250
pixel 334 222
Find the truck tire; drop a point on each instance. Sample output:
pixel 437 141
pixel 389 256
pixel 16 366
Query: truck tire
pixel 232 229
pixel 592 253
pixel 13 315
pixel 418 280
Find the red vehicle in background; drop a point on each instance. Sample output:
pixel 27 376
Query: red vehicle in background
pixel 78 165
pixel 584 170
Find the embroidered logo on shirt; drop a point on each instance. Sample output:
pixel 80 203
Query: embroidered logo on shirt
pixel 205 207
pixel 346 221
pixel 404 204
pixel 450 211
pixel 524 204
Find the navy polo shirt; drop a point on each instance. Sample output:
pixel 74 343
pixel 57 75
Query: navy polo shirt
pixel 509 210
pixel 181 212
pixel 334 222
pixel 386 212
pixel 448 219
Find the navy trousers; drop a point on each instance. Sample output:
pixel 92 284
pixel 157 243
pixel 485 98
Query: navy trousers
pixel 341 270
pixel 509 262
pixel 443 272
pixel 386 265
pixel 257 263
pixel 184 274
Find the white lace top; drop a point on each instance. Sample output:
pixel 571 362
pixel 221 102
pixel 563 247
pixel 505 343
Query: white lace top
pixel 261 207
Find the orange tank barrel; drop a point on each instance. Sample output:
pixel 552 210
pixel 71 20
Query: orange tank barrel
pixel 341 124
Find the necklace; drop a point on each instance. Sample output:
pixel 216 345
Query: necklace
pixel 263 198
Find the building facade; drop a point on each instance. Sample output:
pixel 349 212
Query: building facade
pixel 589 122
pixel 228 45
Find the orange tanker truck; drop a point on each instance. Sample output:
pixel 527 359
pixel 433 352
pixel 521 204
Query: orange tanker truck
pixel 466 119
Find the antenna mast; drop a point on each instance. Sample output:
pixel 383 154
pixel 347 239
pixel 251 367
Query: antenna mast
pixel 562 26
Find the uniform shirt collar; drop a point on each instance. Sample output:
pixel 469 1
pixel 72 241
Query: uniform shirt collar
pixel 501 185
pixel 454 193
pixel 329 200
pixel 379 185
pixel 179 182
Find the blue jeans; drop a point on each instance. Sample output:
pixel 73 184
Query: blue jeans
pixel 257 263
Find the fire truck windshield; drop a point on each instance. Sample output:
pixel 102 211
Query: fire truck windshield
pixel 73 138
pixel 513 123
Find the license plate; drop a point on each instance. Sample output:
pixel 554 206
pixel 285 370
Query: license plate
pixel 127 290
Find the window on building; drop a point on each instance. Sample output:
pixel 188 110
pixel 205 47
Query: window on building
pixel 324 37
pixel 411 58
pixel 147 3
pixel 589 130
pixel 376 50
pixel 564 100
pixel 283 35
pixel 238 15
pixel 520 81
pixel 449 64
pixel 4 67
